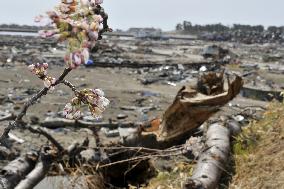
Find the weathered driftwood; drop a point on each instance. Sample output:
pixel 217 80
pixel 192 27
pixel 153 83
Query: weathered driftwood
pixel 35 176
pixel 189 110
pixel 16 170
pixel 259 94
pixel 7 116
pixel 213 160
pixel 53 123
pixel 26 172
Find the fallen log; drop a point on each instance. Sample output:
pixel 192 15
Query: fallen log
pixel 53 123
pixel 37 174
pixel 34 177
pixel 28 171
pixel 16 170
pixel 213 160
pixel 263 95
pixel 6 116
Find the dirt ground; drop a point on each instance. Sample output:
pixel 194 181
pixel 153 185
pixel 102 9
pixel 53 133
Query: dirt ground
pixel 123 85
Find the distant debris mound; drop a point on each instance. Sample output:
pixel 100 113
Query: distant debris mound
pixel 247 34
pixel 215 52
pixel 146 33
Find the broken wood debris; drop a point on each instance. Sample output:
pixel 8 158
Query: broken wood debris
pixel 213 159
pixel 53 123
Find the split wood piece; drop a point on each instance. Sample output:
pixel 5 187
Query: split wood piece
pixel 189 110
pixel 212 162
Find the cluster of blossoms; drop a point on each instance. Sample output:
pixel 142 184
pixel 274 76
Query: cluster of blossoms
pixel 40 70
pixel 94 99
pixel 79 23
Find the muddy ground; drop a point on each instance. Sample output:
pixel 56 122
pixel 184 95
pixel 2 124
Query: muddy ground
pixel 140 77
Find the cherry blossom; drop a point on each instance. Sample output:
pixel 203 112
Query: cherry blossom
pixel 77 23
pixel 94 99
pixel 40 70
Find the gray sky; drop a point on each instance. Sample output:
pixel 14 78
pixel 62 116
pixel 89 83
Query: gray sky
pixel 160 13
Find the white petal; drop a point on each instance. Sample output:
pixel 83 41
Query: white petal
pixel 99 92
pixel 77 115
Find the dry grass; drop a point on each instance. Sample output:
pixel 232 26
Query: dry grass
pixel 173 179
pixel 259 153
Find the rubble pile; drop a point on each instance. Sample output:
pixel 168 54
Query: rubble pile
pixel 247 34
pixel 246 37
pixel 163 93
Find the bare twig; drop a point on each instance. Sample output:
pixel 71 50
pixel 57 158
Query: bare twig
pixel 142 149
pixel 139 158
pixel 48 136
pixel 70 85
pixel 29 103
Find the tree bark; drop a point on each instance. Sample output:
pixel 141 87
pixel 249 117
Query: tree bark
pixel 16 170
pixel 36 176
pixel 213 160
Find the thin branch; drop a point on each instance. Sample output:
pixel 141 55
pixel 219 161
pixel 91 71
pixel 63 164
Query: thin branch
pixel 70 85
pixel 139 158
pixel 48 136
pixel 142 149
pixel 29 103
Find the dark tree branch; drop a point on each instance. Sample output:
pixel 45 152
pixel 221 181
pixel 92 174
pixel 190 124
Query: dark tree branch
pixel 71 86
pixel 48 136
pixel 29 103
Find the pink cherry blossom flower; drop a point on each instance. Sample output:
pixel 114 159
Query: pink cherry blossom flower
pixel 45 65
pixel 93 35
pixel 99 2
pixel 98 18
pixel 102 102
pixel 96 112
pixel 77 115
pixel 71 112
pixel 67 109
pixel 64 8
pixel 86 55
pixel 46 33
pixel 98 92
pixel 32 68
pixel 85 2
pixel 48 82
pixel 38 18
pixel 98 103
pixel 39 69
